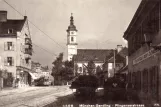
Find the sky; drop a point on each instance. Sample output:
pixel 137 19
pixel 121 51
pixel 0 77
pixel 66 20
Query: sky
pixel 100 23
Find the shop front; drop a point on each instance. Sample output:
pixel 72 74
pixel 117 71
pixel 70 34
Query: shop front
pixel 144 73
pixel 23 78
pixel 6 79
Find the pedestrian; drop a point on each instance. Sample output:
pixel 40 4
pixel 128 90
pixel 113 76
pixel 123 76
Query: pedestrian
pixel 122 86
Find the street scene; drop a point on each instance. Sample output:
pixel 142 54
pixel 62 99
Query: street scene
pixel 80 53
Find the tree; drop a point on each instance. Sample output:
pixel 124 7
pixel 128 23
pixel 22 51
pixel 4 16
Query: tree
pixel 69 70
pixel 91 67
pixel 62 70
pixel 76 69
pixel 69 64
pixel 98 71
pixel 58 65
pixel 57 69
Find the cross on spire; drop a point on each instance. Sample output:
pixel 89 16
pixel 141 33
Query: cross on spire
pixel 71 19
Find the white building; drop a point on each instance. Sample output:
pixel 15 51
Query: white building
pixel 71 39
pixel 83 56
pixel 16 48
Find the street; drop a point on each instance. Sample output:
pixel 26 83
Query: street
pixel 32 97
pixel 99 99
pixel 53 96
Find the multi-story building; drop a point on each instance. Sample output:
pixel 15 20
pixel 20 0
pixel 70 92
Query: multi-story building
pixel 16 48
pixel 143 36
pixel 36 71
pixel 39 71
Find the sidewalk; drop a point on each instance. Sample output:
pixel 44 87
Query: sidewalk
pixel 10 91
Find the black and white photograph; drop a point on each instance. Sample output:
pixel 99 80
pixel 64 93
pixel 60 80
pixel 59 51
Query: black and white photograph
pixel 80 53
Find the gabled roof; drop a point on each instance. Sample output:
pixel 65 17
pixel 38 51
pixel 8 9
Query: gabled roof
pixel 120 57
pixel 98 55
pixel 143 9
pixel 16 25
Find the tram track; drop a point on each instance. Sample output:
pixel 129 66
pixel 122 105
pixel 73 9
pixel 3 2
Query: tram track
pixel 29 97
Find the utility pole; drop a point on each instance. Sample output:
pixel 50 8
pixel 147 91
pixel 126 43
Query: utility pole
pixel 114 64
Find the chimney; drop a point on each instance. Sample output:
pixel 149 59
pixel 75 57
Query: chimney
pixel 3 16
pixel 25 17
pixel 119 48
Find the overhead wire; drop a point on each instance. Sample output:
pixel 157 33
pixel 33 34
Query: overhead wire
pixel 42 48
pixel 34 24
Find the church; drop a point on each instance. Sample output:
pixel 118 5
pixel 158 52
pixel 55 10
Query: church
pixel 81 57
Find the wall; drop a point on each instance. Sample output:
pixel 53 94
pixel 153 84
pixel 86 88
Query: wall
pixel 154 60
pixel 86 63
pixel 4 54
pixel 21 40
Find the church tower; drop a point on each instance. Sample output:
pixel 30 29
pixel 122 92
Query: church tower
pixel 71 39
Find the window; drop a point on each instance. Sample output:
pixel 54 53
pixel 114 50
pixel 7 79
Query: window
pixel 10 31
pixel 9 46
pixel 80 69
pixel 72 39
pixel 9 61
pixel 27 60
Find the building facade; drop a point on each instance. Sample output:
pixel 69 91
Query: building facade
pixel 144 58
pixel 71 39
pixel 39 71
pixel 98 56
pixel 16 48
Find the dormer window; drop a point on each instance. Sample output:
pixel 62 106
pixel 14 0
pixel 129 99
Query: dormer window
pixel 10 31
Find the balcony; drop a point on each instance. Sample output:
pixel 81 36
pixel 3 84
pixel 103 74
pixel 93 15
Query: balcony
pixel 28 51
pixel 27 56
pixel 28 41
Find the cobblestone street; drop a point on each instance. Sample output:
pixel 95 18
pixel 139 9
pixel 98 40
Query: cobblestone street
pixel 32 97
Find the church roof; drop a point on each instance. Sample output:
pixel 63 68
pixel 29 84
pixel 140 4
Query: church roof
pixel 71 27
pixel 97 55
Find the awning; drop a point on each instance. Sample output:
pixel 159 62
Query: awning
pixel 23 68
pixel 33 76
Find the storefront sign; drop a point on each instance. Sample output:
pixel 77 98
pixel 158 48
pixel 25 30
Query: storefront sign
pixel 145 56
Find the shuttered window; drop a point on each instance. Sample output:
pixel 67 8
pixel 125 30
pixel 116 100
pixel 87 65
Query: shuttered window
pixel 9 61
pixel 9 46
